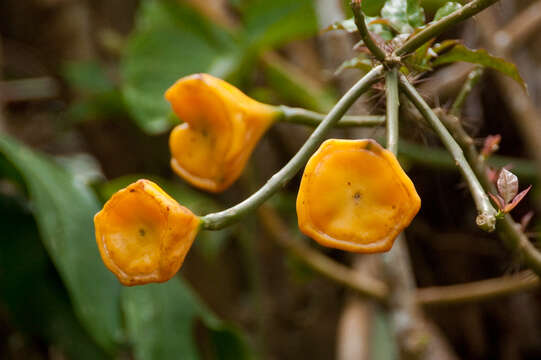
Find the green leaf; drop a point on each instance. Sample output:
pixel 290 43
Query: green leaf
pixel 64 209
pixel 87 77
pixel 347 25
pixel 171 40
pixel 481 57
pixel 405 15
pixel 363 64
pixel 31 290
pixel 160 319
pixel 447 9
pixel 375 26
pixel 419 61
pixel 372 7
pixel 296 88
pixel 273 23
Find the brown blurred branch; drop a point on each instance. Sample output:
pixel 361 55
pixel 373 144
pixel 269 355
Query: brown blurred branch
pixel 517 31
pixel 478 290
pixel 523 109
pixel 327 267
pixel 375 289
pixel 28 89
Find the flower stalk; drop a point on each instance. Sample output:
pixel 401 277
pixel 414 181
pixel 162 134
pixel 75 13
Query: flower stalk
pixel 222 219
pixel 306 117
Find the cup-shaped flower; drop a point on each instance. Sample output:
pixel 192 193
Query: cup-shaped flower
pixel 143 234
pixel 355 196
pixel 221 127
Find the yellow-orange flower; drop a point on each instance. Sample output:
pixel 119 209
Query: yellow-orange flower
pixel 143 234
pixel 355 196
pixel 221 128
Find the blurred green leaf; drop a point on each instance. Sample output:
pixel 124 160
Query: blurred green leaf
pixel 273 23
pixel 160 319
pixel 107 104
pixel 481 57
pixel 31 290
pixel 171 41
pixel 347 25
pixel 363 64
pixel 372 7
pixel 87 77
pixel 447 9
pixel 431 6
pixel 383 342
pixel 296 88
pixel 380 27
pixel 64 210
pixel 405 15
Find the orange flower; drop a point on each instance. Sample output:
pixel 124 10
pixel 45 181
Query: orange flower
pixel 143 234
pixel 355 196
pixel 221 128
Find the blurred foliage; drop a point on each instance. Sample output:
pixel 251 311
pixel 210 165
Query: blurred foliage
pixel 64 210
pixel 160 319
pixel 52 281
pixel 172 40
pixel 63 207
pixel 32 290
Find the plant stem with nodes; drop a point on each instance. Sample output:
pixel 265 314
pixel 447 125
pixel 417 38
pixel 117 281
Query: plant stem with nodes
pixel 438 27
pixel 508 230
pixel 222 219
pixel 486 219
pixel 306 117
pixel 365 34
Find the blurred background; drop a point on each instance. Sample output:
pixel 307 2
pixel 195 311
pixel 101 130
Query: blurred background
pixel 82 114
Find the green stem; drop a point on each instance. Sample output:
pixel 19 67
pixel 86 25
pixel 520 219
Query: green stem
pixel 486 219
pixel 222 219
pixel 363 30
pixel 306 117
pixel 393 103
pixel 509 231
pixel 442 25
pixel 473 78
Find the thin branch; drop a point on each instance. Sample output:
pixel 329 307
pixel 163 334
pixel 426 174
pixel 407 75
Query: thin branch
pixel 509 231
pixel 438 27
pixel 320 263
pixel 478 290
pixel 393 103
pixel 306 117
pixel 363 30
pixel 222 219
pixel 29 89
pixel 486 219
pixel 473 78
pixel 518 30
pixel 431 296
